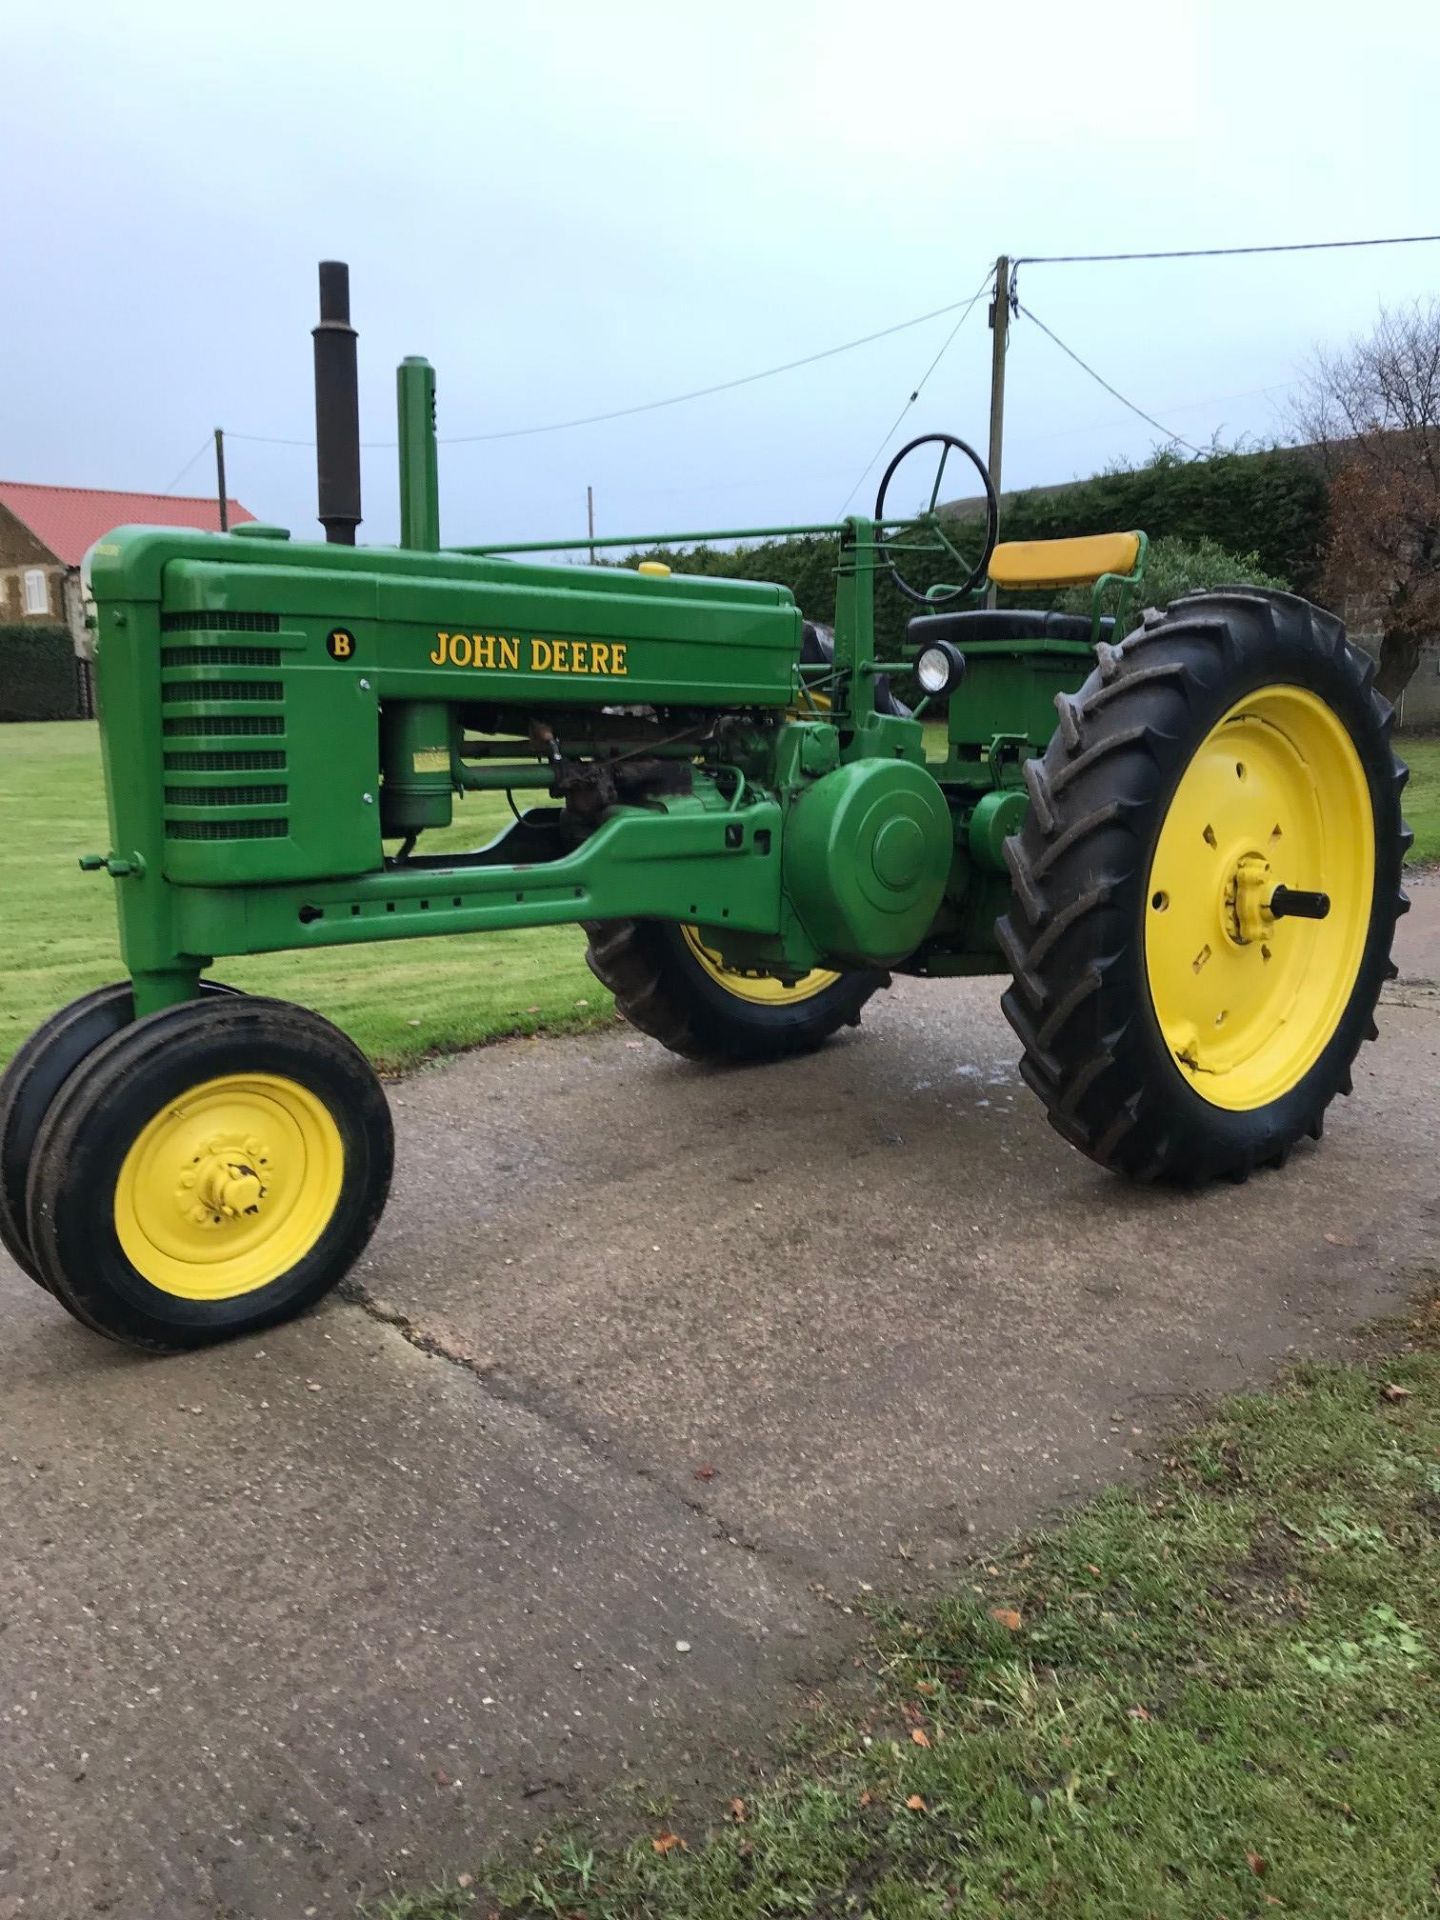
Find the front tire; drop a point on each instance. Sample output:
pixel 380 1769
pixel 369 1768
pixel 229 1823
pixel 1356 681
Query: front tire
pixel 30 1084
pixel 207 1172
pixel 669 984
pixel 1174 1028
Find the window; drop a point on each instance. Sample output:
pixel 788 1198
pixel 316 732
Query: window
pixel 37 591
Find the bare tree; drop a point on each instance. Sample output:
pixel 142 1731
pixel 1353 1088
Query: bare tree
pixel 1372 412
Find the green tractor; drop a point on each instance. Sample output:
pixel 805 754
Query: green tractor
pixel 1192 880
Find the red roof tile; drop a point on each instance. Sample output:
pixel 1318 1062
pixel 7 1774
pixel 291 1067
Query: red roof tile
pixel 69 520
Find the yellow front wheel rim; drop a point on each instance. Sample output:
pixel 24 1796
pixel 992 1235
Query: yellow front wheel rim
pixel 759 989
pixel 1274 795
pixel 229 1186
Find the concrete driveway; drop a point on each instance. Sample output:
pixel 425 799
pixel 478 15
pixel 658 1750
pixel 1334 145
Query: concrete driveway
pixel 647 1370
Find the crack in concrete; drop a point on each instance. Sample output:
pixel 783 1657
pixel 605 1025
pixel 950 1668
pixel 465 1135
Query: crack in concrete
pixel 534 1401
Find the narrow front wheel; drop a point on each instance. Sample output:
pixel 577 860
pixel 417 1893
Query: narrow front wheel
pixel 209 1171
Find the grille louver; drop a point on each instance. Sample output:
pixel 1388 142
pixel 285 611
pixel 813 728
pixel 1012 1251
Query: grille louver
pixel 191 676
pixel 208 622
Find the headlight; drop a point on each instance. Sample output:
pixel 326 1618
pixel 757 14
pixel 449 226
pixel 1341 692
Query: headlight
pixel 940 668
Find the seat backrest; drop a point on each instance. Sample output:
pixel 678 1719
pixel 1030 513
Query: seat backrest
pixel 1064 563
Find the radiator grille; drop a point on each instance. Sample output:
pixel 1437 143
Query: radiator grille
pixel 252 725
pixel 225 796
pixel 219 656
pixel 257 760
pixel 233 808
pixel 226 829
pixel 206 621
pixel 224 690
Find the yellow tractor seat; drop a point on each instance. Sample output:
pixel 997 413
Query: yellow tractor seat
pixel 1076 562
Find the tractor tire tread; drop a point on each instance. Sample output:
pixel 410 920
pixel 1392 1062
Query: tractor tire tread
pixel 1073 933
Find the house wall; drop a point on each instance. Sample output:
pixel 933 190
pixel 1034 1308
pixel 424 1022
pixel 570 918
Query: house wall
pixel 21 552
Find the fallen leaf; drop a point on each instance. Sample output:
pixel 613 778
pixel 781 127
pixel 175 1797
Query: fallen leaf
pixel 916 1803
pixel 442 1779
pixel 1339 1240
pixel 704 1473
pixel 1007 1617
pixel 1257 1863
pixel 1090 1567
pixel 738 1811
pixel 667 1842
pixel 464 1879
pixel 1137 1713
pixel 919 1736
pixel 1391 1392
pixel 925 1686
pixel 866 1797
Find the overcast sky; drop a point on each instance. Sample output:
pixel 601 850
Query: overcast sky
pixel 571 208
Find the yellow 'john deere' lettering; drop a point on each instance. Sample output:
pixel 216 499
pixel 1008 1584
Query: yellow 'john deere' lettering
pixel 490 651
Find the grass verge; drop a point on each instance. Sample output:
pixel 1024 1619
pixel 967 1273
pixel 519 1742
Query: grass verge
pixel 1215 1697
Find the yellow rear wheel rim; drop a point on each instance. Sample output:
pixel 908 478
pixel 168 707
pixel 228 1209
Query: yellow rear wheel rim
pixel 759 989
pixel 1275 794
pixel 229 1186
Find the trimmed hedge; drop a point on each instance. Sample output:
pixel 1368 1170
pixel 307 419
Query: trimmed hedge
pixel 38 676
pixel 1273 505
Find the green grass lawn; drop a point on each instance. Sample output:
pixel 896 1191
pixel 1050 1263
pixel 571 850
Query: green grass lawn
pixel 1214 1697
pixel 401 999
pixel 1421 753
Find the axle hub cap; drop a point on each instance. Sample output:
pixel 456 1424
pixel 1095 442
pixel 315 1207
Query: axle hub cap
pixel 1274 797
pixel 226 1188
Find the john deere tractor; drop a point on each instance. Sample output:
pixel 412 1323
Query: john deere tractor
pixel 1180 836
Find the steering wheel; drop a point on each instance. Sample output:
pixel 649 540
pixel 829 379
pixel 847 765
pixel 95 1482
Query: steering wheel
pixel 929 525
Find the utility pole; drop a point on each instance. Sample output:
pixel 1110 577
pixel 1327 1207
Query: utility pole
pixel 590 520
pixel 220 479
pixel 999 341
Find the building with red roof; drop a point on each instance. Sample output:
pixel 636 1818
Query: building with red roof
pixel 45 533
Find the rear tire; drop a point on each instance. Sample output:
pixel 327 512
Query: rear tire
pixel 208 1171
pixel 1168 1037
pixel 665 985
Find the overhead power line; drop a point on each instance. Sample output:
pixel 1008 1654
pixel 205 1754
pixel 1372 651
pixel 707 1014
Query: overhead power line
pixel 1219 253
pixel 204 447
pixel 652 406
pixel 962 307
pixel 918 389
pixel 1100 378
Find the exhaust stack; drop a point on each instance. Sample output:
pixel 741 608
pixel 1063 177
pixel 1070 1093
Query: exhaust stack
pixel 337 409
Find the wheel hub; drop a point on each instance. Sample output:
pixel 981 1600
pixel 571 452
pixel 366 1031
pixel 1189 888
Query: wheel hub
pixel 1246 1005
pixel 1246 893
pixel 226 1185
